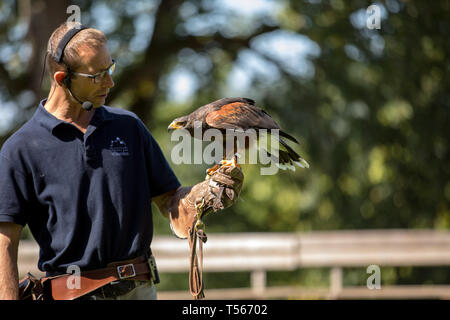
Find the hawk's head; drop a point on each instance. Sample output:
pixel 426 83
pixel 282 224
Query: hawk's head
pixel 179 123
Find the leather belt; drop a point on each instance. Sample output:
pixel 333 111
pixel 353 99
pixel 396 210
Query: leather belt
pixel 113 290
pixel 134 269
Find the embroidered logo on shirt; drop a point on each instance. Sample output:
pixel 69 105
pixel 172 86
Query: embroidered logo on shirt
pixel 118 147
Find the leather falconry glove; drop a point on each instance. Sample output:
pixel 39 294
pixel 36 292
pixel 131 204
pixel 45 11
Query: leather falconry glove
pixel 220 190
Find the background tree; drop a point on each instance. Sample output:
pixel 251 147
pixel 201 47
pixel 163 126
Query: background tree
pixel 370 107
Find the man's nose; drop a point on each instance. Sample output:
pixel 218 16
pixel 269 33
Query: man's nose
pixel 109 82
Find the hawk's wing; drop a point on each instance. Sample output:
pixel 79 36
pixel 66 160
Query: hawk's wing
pixel 240 115
pixel 236 114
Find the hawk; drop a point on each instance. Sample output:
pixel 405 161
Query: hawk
pixel 240 115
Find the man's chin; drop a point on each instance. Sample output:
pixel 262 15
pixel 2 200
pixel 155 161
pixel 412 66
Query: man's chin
pixel 98 102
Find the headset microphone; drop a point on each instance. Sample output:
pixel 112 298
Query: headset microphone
pixel 87 105
pixel 58 57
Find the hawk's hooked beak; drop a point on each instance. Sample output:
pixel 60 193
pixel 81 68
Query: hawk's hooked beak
pixel 175 125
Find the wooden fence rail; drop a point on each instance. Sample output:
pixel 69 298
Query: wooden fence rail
pixel 261 252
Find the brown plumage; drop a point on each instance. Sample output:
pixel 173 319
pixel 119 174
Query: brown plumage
pixel 241 114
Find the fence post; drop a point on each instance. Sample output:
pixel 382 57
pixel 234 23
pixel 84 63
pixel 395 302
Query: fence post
pixel 258 282
pixel 335 281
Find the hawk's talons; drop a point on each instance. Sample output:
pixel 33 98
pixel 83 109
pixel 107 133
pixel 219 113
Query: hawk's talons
pixel 227 163
pixel 211 170
pixel 231 163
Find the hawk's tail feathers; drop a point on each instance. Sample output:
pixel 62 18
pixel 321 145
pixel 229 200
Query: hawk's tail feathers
pixel 284 161
pixel 294 156
pixel 286 158
pixel 288 136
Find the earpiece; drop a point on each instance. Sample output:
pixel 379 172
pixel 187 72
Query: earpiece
pixel 66 81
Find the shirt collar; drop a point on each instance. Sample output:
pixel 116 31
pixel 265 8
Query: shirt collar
pixel 50 122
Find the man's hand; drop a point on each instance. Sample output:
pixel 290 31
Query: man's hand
pixel 216 192
pixel 223 189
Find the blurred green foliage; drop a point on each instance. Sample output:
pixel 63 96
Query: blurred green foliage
pixel 371 108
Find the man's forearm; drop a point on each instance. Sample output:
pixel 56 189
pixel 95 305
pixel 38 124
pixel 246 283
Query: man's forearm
pixel 182 212
pixel 218 191
pixel 9 289
pixel 172 206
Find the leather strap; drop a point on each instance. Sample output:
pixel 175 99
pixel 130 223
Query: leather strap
pixel 210 197
pixel 134 269
pixel 196 269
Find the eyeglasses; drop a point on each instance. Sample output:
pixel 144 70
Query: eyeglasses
pixel 99 77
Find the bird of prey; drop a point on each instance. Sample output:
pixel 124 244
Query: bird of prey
pixel 241 114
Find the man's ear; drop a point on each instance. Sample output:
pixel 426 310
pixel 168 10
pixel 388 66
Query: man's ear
pixel 58 76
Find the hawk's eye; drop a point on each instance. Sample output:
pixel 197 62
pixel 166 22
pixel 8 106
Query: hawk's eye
pixel 180 124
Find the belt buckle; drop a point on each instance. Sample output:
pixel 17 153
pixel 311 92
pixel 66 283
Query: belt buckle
pixel 126 271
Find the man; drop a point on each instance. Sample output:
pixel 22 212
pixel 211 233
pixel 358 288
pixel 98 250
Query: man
pixel 83 176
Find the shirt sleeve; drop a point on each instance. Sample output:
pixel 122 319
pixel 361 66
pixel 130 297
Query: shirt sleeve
pixel 162 179
pixel 14 193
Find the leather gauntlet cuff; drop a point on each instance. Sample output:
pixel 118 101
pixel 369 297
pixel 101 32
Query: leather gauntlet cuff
pixel 218 191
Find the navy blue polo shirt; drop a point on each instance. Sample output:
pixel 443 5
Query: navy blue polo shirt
pixel 86 197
